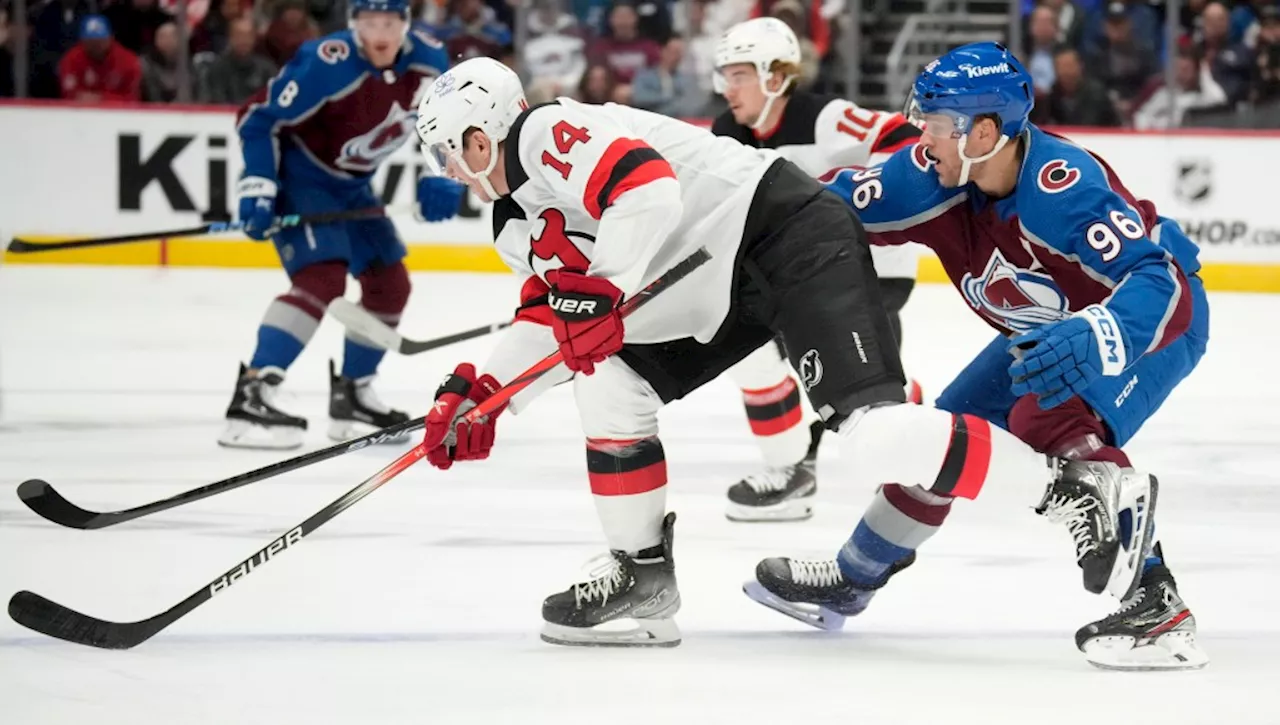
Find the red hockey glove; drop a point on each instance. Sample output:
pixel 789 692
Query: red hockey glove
pixel 448 437
pixel 586 324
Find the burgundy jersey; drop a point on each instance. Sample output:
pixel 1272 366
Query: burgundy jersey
pixel 331 114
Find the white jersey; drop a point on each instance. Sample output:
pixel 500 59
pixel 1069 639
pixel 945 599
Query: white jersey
pixel 626 195
pixel 822 134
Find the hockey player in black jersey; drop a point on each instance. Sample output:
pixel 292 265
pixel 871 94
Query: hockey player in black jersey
pixel 758 73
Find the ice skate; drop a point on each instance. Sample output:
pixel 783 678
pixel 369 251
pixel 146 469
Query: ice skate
pixel 778 494
pixel 253 421
pixel 637 590
pixel 355 410
pixel 1110 513
pixel 1153 630
pixel 814 592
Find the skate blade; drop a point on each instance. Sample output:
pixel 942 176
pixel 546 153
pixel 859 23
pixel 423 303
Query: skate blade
pixel 639 633
pixel 814 615
pixel 792 510
pixel 1126 574
pixel 345 430
pixel 1172 651
pixel 243 434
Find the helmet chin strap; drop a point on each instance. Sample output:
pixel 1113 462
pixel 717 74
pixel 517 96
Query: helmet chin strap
pixel 482 176
pixel 769 98
pixel 966 163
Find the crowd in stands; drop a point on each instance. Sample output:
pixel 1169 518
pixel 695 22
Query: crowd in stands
pixel 1104 64
pixel 1094 62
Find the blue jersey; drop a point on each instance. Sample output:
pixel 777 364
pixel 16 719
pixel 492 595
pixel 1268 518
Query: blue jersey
pixel 1070 235
pixel 330 116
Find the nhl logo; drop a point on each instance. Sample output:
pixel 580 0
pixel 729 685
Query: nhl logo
pixel 1194 183
pixel 810 369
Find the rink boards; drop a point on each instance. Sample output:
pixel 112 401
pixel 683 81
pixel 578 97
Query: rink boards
pixel 99 170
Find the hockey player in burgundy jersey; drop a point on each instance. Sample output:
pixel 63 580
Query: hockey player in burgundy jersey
pixel 592 203
pixel 757 71
pixel 1099 315
pixel 311 140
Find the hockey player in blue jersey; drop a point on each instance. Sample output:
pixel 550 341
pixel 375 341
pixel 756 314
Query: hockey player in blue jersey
pixel 1100 314
pixel 311 140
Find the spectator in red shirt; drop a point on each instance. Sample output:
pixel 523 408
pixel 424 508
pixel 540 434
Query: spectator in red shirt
pixel 98 68
pixel 623 50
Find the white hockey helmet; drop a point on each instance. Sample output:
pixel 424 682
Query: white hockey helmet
pixel 479 93
pixel 760 42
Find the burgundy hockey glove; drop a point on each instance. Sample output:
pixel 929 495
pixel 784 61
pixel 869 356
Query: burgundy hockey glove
pixel 586 323
pixel 449 438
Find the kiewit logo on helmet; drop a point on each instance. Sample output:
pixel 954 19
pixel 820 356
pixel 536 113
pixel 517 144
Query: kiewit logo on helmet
pixel 978 71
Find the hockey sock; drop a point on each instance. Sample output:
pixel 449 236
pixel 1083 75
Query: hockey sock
pixel 772 399
pixel 384 292
pixel 775 417
pixel 629 485
pixel 948 455
pixel 899 520
pixel 292 318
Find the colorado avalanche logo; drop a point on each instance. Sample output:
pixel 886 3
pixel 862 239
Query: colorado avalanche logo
pixel 333 52
pixel 1016 299
pixel 1056 176
pixel 363 153
pixel 920 157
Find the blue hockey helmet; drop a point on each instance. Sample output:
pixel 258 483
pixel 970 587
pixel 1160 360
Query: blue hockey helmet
pixel 354 7
pixel 971 81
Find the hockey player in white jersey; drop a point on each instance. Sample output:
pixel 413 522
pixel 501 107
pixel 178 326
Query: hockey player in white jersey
pixel 592 203
pixel 757 71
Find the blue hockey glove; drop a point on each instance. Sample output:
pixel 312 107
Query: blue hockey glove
pixel 1063 358
pixel 439 198
pixel 257 206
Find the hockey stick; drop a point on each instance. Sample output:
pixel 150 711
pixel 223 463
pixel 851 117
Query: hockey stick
pixel 360 321
pixel 41 497
pixel 50 618
pixel 22 246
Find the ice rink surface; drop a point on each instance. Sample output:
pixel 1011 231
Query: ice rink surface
pixel 421 603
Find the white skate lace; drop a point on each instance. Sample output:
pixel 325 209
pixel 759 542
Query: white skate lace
pixel 816 573
pixel 368 398
pixel 606 578
pixel 771 479
pixel 1074 514
pixel 272 395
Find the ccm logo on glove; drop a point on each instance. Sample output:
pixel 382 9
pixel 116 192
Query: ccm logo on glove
pixel 1110 344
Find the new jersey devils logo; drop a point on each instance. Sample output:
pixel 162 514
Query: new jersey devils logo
pixel 363 153
pixel 1016 299
pixel 810 369
pixel 551 248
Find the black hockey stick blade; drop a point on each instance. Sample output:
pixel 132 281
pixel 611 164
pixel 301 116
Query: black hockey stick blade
pixel 42 498
pixel 50 618
pixel 47 617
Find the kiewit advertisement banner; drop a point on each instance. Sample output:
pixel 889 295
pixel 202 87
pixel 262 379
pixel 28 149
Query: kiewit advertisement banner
pixel 89 171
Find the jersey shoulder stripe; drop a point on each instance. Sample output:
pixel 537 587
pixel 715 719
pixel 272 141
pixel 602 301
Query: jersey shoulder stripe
pixel 626 164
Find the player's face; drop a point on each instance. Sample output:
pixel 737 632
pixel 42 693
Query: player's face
pixel 942 141
pixel 475 154
pixel 742 91
pixel 381 35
